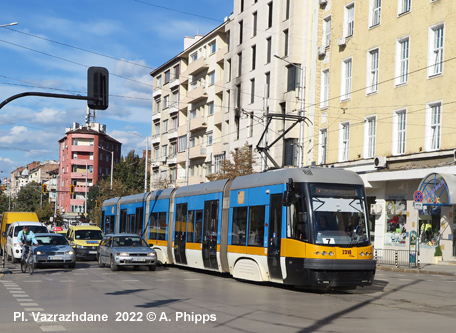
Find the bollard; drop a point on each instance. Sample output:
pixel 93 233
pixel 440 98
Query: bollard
pixel 375 254
pixel 395 258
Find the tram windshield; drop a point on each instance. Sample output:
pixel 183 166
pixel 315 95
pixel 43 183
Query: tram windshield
pixel 339 214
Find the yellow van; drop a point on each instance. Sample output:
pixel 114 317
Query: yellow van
pixel 10 217
pixel 85 240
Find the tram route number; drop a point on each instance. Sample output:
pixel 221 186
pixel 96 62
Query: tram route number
pixel 349 252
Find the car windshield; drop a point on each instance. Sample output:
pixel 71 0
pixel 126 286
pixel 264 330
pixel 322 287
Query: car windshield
pixel 88 234
pixel 128 241
pixel 51 240
pixel 34 228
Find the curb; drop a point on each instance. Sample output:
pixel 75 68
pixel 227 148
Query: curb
pixel 414 270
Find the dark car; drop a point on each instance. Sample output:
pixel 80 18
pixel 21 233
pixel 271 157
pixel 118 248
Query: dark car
pixel 53 250
pixel 125 250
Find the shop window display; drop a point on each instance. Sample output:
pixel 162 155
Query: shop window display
pixel 396 220
pixel 430 226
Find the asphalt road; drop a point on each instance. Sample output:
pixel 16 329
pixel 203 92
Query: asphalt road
pixel 173 299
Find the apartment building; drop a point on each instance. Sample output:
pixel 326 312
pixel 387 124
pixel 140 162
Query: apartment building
pixel 385 109
pixel 187 115
pixel 86 154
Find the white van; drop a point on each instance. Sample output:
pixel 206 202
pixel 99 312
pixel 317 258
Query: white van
pixel 13 247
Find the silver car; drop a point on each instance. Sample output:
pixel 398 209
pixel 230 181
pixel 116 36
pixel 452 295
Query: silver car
pixel 53 250
pixel 125 250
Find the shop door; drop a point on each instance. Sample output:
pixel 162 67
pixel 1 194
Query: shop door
pixel 180 234
pixel 274 236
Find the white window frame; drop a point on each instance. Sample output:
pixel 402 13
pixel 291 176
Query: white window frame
pixel 370 131
pixel 372 71
pixel 166 102
pixel 403 7
pixel 349 19
pixel 399 131
pixel 436 45
pixel 433 132
pixel 375 12
pixel 402 61
pixel 344 141
pixel 346 80
pixel 210 138
pixel 324 91
pixel 322 145
pixel 211 78
pixel 326 42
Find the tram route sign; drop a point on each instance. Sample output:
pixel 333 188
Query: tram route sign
pixel 418 196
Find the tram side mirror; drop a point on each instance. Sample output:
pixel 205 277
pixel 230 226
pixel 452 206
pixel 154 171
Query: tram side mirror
pixel 287 195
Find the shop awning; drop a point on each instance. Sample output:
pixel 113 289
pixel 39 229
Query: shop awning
pixel 438 189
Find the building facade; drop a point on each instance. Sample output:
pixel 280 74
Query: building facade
pixel 385 110
pixel 86 154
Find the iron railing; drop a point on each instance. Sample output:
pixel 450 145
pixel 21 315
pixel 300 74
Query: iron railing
pixel 397 258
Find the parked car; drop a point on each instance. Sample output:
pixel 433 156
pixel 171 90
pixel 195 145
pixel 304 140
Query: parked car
pixel 125 250
pixel 53 250
pixel 13 247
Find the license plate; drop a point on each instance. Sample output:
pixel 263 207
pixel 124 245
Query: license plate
pixel 138 259
pixel 92 252
pixel 53 258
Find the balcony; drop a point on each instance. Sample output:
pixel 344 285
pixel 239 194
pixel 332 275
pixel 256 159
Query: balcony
pixel 218 87
pixel 220 54
pixel 156 116
pixel 182 130
pixel 199 122
pixel 181 157
pixel 218 117
pixel 197 152
pixel 157 92
pixel 195 67
pixel 172 159
pixel 197 93
pixel 173 109
pixel 172 134
pixel 155 139
pixel 174 83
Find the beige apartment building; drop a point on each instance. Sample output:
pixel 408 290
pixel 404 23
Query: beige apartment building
pixel 386 110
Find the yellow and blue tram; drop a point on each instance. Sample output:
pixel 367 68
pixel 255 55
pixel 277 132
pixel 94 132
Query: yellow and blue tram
pixel 305 227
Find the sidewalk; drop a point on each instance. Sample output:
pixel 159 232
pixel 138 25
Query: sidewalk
pixel 443 268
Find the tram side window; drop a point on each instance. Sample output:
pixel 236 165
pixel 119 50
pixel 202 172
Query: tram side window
pixel 198 226
pixel 153 226
pixel 109 225
pixel 123 220
pixel 210 220
pixel 256 226
pixel 190 225
pixel 299 220
pixel 131 225
pixel 103 221
pixel 139 221
pixel 239 226
pixel 161 226
pixel 181 221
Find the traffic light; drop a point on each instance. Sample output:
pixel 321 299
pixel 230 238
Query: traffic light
pixel 71 189
pixel 44 188
pixel 98 88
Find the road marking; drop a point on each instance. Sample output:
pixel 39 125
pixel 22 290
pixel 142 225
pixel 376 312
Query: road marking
pixel 12 288
pixel 33 281
pixel 67 281
pixel 162 279
pixel 25 300
pixel 28 304
pixel 33 309
pixel 52 328
pixel 21 295
pixel 192 279
pixel 17 292
pixel 97 280
pixel 130 280
pixel 138 273
pixel 81 273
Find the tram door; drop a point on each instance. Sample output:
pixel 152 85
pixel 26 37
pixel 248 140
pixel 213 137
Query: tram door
pixel 180 234
pixel 210 232
pixel 274 236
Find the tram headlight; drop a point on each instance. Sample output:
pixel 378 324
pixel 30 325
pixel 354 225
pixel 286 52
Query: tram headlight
pixel 362 254
pixel 323 253
pixel 331 253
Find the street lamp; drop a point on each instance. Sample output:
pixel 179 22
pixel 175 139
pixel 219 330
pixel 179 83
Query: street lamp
pixel 112 161
pixel 301 110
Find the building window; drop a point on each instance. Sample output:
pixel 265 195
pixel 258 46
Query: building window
pixel 238 95
pixel 402 61
pixel 209 138
pixel 239 63
pixel 164 151
pixel 349 25
pixel 175 98
pixel 287 9
pixel 435 61
pixel 372 74
pixel 369 136
pixel 346 79
pixel 211 78
pixel 167 76
pixel 181 144
pixel 159 81
pixel 212 47
pixel 268 50
pixel 253 57
pixel 252 90
pixel 251 124
pixel 285 42
pixel 268 84
pixel 399 122
pixel 292 77
pixel 255 24
pixel 324 93
pixel 218 160
pixel 433 128
pixel 344 140
pixel 158 105
pixel 156 129
pixel 176 70
pixel 193 56
pixel 241 31
pixel 376 7
pixel 323 137
pixel 210 108
pixel 242 5
pixel 404 6
pixel 166 102
pixel 165 125
pixel 327 32
pixel 269 14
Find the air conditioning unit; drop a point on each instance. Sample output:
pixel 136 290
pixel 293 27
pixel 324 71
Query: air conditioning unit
pixel 454 155
pixel 342 41
pixel 323 2
pixel 380 162
pixel 376 209
pixel 321 50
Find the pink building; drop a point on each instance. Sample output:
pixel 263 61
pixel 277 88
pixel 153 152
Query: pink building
pixel 82 163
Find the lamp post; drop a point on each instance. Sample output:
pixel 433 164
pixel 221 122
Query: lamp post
pixel 301 110
pixel 112 161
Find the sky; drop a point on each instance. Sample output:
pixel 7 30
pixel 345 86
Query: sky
pixel 53 45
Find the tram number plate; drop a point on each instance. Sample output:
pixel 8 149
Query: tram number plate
pixel 53 258
pixel 138 259
pixel 347 252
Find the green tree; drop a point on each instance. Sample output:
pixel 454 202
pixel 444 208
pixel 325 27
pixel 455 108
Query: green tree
pixel 243 163
pixel 29 198
pixel 45 211
pixel 4 203
pixel 130 171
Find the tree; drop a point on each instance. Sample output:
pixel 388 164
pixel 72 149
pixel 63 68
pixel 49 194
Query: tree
pixel 130 171
pixel 4 203
pixel 29 197
pixel 243 163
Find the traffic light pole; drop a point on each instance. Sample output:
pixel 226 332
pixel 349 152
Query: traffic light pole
pixel 31 93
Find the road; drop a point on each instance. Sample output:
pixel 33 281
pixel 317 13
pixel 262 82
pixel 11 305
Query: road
pixel 173 299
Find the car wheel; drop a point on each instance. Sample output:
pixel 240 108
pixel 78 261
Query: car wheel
pixel 152 267
pixel 114 267
pixel 73 265
pixel 100 263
